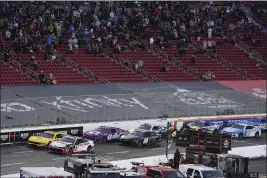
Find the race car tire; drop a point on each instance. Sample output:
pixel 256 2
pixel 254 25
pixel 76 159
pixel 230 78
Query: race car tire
pixel 163 136
pixel 240 135
pixel 257 135
pixel 215 132
pixel 156 143
pixel 70 151
pixel 103 140
pixel 48 145
pixel 89 149
pixel 139 144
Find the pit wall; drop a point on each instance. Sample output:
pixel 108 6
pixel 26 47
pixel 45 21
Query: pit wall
pixel 22 134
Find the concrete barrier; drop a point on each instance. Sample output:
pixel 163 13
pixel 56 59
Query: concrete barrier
pixel 250 152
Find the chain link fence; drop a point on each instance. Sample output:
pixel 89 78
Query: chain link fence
pixel 90 109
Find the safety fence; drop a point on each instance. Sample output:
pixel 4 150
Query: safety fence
pixel 60 110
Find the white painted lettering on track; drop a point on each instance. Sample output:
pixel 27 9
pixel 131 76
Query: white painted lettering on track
pixel 4 165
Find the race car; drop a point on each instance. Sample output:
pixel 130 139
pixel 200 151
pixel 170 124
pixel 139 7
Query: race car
pixel 44 139
pixel 194 126
pixel 197 125
pixel 71 145
pixel 213 128
pixel 140 138
pixel 159 130
pixel 260 122
pixel 103 134
pixel 240 130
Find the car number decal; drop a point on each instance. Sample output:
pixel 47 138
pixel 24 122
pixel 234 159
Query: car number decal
pixel 145 141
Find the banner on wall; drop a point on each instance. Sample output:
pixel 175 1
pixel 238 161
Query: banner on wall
pixel 256 88
pixel 23 136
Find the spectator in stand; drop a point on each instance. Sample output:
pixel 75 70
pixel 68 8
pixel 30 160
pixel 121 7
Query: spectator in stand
pixel 70 48
pixel 136 66
pixel 151 41
pixel 42 78
pixel 263 30
pixel 209 33
pixel 205 45
pixel 8 35
pixel 140 63
pixel 193 59
pixel 209 44
pixel 52 79
pixel 164 68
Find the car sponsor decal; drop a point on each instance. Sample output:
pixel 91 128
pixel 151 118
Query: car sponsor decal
pixel 113 136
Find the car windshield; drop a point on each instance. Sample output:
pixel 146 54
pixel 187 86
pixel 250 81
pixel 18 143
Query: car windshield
pixel 100 129
pixel 104 175
pixel 253 120
pixel 237 126
pixel 47 135
pixel 211 174
pixel 198 124
pixel 139 134
pixel 68 140
pixel 145 127
pixel 173 174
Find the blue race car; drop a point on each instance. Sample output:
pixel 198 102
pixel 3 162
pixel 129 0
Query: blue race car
pixel 241 130
pixel 260 122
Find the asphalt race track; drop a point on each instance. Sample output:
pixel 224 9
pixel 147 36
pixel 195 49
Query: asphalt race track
pixel 14 157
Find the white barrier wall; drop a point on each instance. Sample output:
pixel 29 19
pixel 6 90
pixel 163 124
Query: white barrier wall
pixel 250 152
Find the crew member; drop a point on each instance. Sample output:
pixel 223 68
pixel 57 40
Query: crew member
pixel 177 157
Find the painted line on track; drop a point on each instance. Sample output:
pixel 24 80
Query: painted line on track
pixel 157 149
pixel 120 152
pixel 263 163
pixel 58 159
pixel 241 141
pixel 21 152
pixel 4 165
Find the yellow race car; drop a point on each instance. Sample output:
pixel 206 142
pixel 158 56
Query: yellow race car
pixel 44 139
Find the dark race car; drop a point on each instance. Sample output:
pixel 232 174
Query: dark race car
pixel 140 138
pixel 71 145
pixel 159 130
pixel 103 134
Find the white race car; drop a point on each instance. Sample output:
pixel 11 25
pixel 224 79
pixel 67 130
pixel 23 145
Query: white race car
pixel 71 145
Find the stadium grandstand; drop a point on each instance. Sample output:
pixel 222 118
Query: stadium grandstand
pixel 65 42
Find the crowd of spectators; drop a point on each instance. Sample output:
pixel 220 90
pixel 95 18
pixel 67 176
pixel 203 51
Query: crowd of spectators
pixel 119 26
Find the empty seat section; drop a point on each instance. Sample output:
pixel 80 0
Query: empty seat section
pixel 152 65
pixel 10 76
